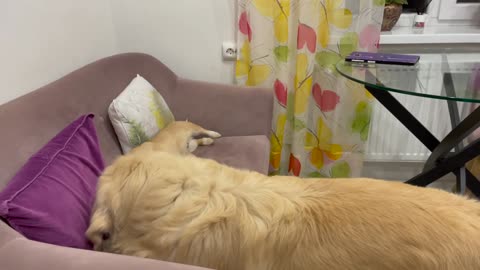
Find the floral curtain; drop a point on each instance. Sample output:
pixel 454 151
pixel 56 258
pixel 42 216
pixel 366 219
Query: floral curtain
pixel 321 120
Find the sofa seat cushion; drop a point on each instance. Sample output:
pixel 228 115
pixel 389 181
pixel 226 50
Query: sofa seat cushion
pixel 7 233
pixel 242 152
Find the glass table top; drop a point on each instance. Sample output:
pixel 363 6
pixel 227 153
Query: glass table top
pixel 433 77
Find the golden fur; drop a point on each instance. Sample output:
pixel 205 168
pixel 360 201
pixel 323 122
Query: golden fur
pixel 180 208
pixel 178 138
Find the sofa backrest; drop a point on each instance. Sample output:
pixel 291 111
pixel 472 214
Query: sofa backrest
pixel 30 121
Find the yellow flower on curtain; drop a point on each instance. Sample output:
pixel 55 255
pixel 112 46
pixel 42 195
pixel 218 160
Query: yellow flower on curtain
pixel 332 13
pixel 256 73
pixel 320 146
pixel 303 84
pixel 276 142
pixel 279 11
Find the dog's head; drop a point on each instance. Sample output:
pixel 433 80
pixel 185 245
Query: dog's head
pixel 100 230
pixel 101 222
pixel 117 191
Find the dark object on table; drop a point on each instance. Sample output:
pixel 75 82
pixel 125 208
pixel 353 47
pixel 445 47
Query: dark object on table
pixel 383 58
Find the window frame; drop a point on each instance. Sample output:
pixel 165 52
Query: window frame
pixel 432 13
pixel 451 10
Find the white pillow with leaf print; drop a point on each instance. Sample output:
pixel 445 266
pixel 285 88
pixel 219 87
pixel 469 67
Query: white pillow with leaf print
pixel 138 114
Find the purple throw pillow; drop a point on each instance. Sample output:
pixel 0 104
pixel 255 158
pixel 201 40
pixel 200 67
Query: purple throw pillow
pixel 51 197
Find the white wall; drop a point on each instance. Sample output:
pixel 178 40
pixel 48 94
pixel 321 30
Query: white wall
pixel 40 41
pixel 186 35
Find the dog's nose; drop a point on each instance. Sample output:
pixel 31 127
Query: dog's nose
pixel 105 236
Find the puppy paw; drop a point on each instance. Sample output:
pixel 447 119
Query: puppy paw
pixel 192 145
pixel 213 134
pixel 205 141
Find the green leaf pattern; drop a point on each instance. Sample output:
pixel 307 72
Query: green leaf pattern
pixel 327 60
pixel 348 43
pixel 341 170
pixel 136 134
pixel 281 52
pixel 299 125
pixel 361 121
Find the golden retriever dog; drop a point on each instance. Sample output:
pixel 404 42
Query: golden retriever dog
pixel 177 207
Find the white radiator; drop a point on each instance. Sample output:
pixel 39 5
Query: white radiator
pixel 390 141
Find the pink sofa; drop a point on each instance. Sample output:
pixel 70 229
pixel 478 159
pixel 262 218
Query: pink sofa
pixel 241 115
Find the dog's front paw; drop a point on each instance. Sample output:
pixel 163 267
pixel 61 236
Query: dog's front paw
pixel 192 145
pixel 205 141
pixel 213 134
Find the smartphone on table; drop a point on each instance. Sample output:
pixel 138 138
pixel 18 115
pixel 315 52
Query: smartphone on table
pixel 383 58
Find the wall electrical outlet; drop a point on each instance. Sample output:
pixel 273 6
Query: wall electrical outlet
pixel 229 50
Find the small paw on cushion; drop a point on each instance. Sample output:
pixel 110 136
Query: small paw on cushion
pixel 138 114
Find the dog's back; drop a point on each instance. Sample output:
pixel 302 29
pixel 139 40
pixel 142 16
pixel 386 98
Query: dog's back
pixel 196 211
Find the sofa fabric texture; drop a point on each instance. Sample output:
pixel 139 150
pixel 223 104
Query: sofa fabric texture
pixel 228 109
pixel 242 115
pixel 242 152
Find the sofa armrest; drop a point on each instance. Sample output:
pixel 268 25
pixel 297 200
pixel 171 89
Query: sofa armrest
pixel 228 109
pixel 23 254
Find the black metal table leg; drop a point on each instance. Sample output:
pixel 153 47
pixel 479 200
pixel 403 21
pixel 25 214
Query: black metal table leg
pixel 427 138
pixel 405 117
pixel 449 88
pixel 457 135
pixel 447 165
